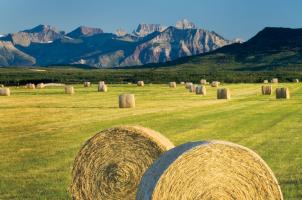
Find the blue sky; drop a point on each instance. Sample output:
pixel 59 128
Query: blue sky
pixel 229 18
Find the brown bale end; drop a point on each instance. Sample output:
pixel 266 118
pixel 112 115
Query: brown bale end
pixel 282 93
pixel 126 101
pixel 266 89
pixel 201 90
pixel 172 84
pixel 69 89
pixel 223 93
pixel 140 83
pixel 4 92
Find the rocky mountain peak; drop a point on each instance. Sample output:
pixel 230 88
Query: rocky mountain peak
pixel 121 32
pixel 185 24
pixel 84 31
pixel 145 29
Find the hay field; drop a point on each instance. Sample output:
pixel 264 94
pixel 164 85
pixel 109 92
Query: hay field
pixel 42 130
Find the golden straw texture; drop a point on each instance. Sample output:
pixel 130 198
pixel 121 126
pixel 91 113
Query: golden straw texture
pixel 282 93
pixel 223 93
pixel 266 89
pixel 209 170
pixel 110 165
pixel 69 89
pixel 126 101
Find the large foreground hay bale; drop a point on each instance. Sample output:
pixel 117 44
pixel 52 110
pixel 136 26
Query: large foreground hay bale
pixel 140 83
pixel 30 86
pixel 4 92
pixel 274 80
pixel 40 86
pixel 215 83
pixel 87 84
pixel 172 84
pixel 102 87
pixel 188 85
pixel 110 165
pixel 223 93
pixel 69 89
pixel 126 101
pixel 209 170
pixel 282 93
pixel 201 90
pixel 203 81
pixel 266 89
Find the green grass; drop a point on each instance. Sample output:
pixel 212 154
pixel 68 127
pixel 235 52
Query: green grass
pixel 41 131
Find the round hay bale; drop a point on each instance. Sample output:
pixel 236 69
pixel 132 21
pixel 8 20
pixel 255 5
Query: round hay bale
pixel 102 88
pixel 209 170
pixel 274 80
pixel 265 81
pixel 87 84
pixel 40 86
pixel 102 83
pixel 215 83
pixel 140 83
pixel 172 84
pixel 4 92
pixel 296 80
pixel 188 85
pixel 266 89
pixel 69 89
pixel 202 90
pixel 110 164
pixel 282 93
pixel 126 101
pixel 223 93
pixel 203 81
pixel 30 86
pixel 182 83
pixel 192 88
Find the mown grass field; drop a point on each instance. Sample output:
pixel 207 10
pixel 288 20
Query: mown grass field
pixel 42 130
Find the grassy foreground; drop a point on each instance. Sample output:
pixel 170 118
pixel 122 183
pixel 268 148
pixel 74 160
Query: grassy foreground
pixel 42 130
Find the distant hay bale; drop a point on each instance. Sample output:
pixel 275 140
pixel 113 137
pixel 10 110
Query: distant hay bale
pixel 30 86
pixel 126 101
pixel 296 80
pixel 54 84
pixel 203 81
pixel 215 83
pixel 110 164
pixel 201 90
pixel 40 86
pixel 102 83
pixel 282 93
pixel 140 83
pixel 192 88
pixel 69 89
pixel 172 84
pixel 274 80
pixel 266 89
pixel 182 83
pixel 223 93
pixel 87 84
pixel 4 92
pixel 188 85
pixel 209 170
pixel 102 88
pixel 265 81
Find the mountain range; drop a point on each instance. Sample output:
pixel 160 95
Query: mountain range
pixel 45 45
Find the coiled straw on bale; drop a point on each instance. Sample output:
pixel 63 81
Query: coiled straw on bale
pixel 201 90
pixel 30 86
pixel 172 84
pixel 4 92
pixel 266 89
pixel 87 84
pixel 110 165
pixel 102 87
pixel 209 170
pixel 126 101
pixel 223 93
pixel 282 93
pixel 69 89
pixel 140 83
